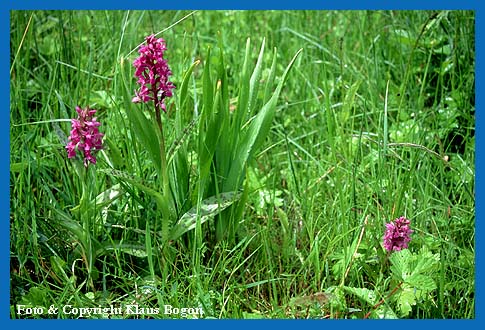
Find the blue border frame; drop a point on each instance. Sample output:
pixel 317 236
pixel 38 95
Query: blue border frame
pixel 479 144
pixel 5 8
pixel 247 4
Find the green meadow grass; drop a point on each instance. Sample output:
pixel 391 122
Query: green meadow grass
pixel 375 120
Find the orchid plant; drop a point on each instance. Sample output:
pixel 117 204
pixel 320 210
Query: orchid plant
pixel 225 142
pixel 85 139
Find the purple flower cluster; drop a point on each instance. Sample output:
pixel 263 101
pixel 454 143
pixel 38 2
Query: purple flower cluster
pixel 85 135
pixel 152 72
pixel 397 235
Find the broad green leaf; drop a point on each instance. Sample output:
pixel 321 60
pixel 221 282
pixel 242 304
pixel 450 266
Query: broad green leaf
pixel 416 271
pixel 177 158
pixel 185 83
pixel 406 266
pixel 270 80
pixel 207 147
pixel 255 134
pixel 72 226
pixel 162 201
pixel 254 82
pixel 404 37
pixel 108 196
pixel 145 129
pixel 134 249
pixel 260 126
pixel 137 183
pixel 88 244
pixel 103 98
pixel 148 246
pixel 426 261
pixel 207 91
pixel 243 97
pixel 406 299
pixel 209 130
pixel 222 72
pixel 369 296
pixel 384 312
pixel 208 209
pixel 58 266
pixel 179 141
pixel 114 153
pixel 146 132
pixel 224 151
pixel 258 283
pixel 400 264
pixel 421 282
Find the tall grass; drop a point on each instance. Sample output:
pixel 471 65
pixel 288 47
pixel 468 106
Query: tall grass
pixel 374 120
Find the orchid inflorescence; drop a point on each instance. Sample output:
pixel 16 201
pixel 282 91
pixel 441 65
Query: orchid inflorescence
pixel 85 136
pixel 397 235
pixel 153 72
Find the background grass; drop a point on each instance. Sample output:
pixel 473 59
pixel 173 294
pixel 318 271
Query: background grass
pixel 335 166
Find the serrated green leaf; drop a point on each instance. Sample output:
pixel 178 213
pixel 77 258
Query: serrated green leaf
pixel 369 296
pixel 384 312
pixel 400 264
pixel 415 271
pixel 426 261
pixel 421 282
pixel 408 267
pixel 338 301
pixel 406 299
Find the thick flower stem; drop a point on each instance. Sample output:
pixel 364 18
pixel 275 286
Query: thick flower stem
pixel 168 207
pixel 87 223
pixel 163 157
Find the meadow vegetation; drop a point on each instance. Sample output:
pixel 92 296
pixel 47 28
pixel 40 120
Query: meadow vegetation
pixel 291 139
